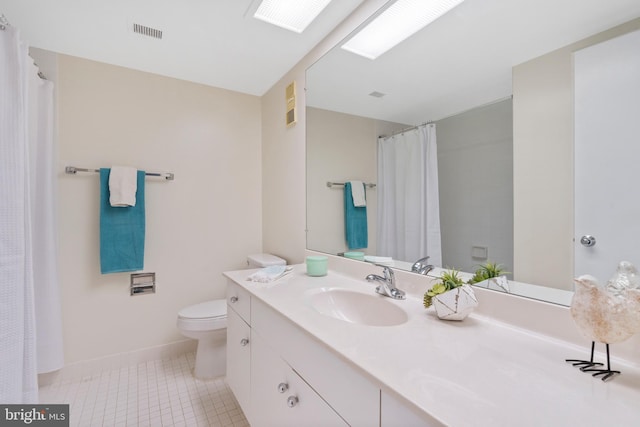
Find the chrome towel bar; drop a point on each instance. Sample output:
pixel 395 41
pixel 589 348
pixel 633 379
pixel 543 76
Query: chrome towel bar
pixel 72 170
pixel 334 184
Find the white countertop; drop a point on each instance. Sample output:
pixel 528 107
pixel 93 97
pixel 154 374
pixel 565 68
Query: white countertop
pixel 478 372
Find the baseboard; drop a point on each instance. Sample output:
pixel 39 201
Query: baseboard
pixel 89 368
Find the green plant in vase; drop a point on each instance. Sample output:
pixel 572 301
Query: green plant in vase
pixel 448 281
pixel 487 271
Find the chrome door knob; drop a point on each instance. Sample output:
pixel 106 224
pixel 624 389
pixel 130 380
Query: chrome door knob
pixel 244 342
pixel 282 387
pixel 233 299
pixel 588 241
pixel 292 401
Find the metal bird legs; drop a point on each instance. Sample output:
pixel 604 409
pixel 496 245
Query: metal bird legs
pixel 590 365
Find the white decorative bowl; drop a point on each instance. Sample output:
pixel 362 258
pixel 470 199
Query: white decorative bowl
pixel 455 304
pixel 500 283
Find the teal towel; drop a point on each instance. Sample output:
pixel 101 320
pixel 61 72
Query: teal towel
pixel 355 221
pixel 121 230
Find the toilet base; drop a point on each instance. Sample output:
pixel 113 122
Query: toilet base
pixel 211 357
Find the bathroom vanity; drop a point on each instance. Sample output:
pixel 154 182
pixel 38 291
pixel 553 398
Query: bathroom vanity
pixel 293 359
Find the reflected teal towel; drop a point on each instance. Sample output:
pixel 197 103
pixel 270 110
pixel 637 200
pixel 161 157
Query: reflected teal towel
pixel 355 221
pixel 121 230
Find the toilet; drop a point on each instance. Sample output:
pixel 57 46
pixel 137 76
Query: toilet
pixel 207 323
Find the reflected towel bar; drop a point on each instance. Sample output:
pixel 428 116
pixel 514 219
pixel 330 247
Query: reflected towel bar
pixel 72 170
pixel 332 184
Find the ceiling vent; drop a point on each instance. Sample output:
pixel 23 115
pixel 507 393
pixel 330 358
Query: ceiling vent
pixel 147 31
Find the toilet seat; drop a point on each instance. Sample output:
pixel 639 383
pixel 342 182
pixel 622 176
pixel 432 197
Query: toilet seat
pixel 205 310
pixel 205 316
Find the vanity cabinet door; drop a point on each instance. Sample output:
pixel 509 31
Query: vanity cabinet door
pixel 281 397
pixel 239 360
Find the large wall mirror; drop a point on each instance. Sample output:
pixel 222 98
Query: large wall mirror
pixel 496 78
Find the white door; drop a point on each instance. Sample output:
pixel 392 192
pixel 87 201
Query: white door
pixel 607 156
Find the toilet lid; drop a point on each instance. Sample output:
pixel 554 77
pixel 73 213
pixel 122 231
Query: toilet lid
pixel 205 310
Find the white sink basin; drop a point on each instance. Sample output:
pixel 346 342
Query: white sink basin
pixel 357 307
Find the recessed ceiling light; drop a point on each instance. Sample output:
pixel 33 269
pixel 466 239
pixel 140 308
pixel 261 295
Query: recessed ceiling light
pixel 397 23
pixel 293 15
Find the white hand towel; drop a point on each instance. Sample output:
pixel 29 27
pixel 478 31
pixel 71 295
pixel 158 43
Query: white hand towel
pixel 123 184
pixel 357 192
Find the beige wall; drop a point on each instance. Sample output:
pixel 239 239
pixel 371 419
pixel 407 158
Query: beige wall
pixel 201 224
pixel 543 164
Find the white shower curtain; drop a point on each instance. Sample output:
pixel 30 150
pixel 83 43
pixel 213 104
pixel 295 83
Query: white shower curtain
pixel 408 200
pixel 29 294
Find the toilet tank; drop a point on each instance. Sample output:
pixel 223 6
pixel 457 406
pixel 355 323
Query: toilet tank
pixel 264 260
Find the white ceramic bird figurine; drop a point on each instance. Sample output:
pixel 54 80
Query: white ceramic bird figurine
pixel 608 314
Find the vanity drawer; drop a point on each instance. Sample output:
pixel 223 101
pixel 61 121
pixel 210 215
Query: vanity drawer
pixel 239 300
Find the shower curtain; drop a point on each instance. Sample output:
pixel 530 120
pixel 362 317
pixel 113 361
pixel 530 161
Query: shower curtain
pixel 29 294
pixel 408 200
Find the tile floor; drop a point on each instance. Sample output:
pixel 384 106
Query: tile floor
pixel 154 393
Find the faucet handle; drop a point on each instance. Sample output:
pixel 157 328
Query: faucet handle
pixel 419 264
pixel 388 273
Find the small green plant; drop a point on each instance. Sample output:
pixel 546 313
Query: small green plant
pixel 487 271
pixel 448 281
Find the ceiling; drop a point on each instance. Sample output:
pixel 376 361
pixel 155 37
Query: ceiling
pixel 462 60
pixel 213 42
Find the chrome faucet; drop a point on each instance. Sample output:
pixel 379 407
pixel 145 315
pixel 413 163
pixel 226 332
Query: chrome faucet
pixel 387 286
pixel 421 266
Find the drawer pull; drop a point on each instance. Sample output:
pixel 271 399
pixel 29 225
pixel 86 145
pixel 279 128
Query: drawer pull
pixel 282 387
pixel 244 342
pixel 233 299
pixel 292 401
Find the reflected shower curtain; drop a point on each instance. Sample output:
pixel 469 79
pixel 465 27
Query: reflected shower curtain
pixel 408 200
pixel 29 295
